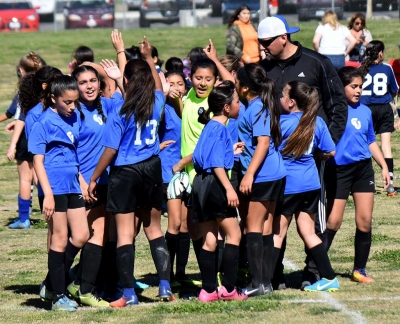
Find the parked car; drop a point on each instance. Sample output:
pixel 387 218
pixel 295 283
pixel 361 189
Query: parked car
pixel 228 7
pixel 89 14
pixel 164 11
pixel 18 16
pixel 45 9
pixel 315 9
pixel 216 8
pixel 287 6
pixel 133 4
pixel 361 5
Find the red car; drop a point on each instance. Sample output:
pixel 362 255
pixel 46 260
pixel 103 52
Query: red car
pixel 18 16
pixel 89 14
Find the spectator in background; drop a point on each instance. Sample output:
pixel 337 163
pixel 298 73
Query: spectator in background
pixel 358 29
pixel 241 36
pixel 330 39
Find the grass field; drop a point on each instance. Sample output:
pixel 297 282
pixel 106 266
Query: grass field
pixel 23 256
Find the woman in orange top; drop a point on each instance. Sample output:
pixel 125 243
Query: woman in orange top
pixel 241 37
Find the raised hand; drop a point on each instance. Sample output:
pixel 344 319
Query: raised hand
pixel 117 41
pixel 111 69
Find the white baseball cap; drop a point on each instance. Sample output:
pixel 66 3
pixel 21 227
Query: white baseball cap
pixel 275 26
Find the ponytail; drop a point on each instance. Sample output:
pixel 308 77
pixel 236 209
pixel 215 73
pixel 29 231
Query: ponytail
pixel 204 116
pixel 371 55
pixel 307 100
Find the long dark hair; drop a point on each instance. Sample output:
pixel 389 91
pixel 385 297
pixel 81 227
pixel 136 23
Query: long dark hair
pixel 255 78
pixel 86 68
pixel 139 91
pixel 61 84
pixel 371 55
pixel 348 73
pixel 235 15
pixel 307 100
pixel 31 92
pixel 357 15
pixel 220 96
pixel 82 54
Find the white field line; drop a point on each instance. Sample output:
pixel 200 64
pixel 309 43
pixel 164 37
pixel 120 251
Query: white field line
pixel 354 315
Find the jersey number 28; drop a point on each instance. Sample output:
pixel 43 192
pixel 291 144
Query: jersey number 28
pixel 379 84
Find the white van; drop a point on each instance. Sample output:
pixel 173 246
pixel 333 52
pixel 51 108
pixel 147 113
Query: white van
pixel 46 9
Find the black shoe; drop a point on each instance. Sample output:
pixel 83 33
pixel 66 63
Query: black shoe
pixel 268 289
pixel 253 291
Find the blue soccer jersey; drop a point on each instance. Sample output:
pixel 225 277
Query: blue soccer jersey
pixel 31 117
pixel 302 173
pixel 214 148
pixel 170 129
pixel 251 125
pixel 56 137
pixel 379 85
pixel 354 144
pixel 90 135
pixel 233 127
pixel 134 144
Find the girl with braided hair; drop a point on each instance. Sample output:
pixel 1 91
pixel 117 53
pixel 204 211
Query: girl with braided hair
pixel 18 148
pixel 379 87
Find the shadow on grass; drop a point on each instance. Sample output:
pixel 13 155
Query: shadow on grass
pixel 31 290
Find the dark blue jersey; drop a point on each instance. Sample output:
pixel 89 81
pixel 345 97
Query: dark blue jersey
pixel 358 135
pixel 302 173
pixel 12 109
pixel 170 129
pixel 251 125
pixel 379 85
pixel 56 137
pixel 133 143
pixel 214 148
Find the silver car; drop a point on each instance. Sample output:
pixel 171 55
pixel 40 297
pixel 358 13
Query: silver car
pixel 133 4
pixel 164 11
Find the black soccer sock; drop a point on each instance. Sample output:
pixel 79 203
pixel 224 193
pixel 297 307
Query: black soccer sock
pixel 268 256
pixel 90 264
pixel 207 269
pixel 390 165
pixel 108 269
pixel 330 235
pixel 70 253
pixel 160 254
pixel 321 259
pixel 56 272
pixel 255 257
pixel 279 267
pixel 242 251
pixel 230 261
pixel 275 258
pixel 182 253
pixel 362 246
pixel 125 264
pixel 219 255
pixel 172 245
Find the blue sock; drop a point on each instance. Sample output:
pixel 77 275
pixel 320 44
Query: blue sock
pixel 23 208
pixel 164 282
pixel 129 292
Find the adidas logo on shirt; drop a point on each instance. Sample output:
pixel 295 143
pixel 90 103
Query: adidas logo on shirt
pixel 302 75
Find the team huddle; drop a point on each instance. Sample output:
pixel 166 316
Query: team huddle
pixel 233 151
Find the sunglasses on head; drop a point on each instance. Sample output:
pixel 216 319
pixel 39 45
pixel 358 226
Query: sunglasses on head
pixel 267 42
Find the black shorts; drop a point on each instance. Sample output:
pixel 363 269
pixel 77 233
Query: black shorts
pixel 341 180
pixel 267 191
pixel 383 118
pixel 306 202
pixel 65 202
pixel 135 186
pixel 22 153
pixel 209 200
pixel 236 176
pixel 101 195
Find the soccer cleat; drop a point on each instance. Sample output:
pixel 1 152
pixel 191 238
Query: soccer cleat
pixel 324 285
pixel 92 299
pixel 206 297
pixel 268 289
pixel 165 292
pixel 20 225
pixel 308 278
pixel 139 285
pixel 184 280
pixel 391 192
pixel 254 291
pixel 124 302
pixel 359 275
pixel 219 279
pixel 223 294
pixel 63 305
pixel 45 295
pixel 73 290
